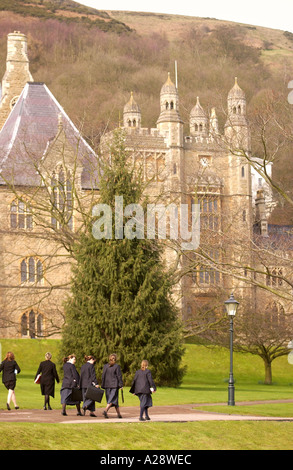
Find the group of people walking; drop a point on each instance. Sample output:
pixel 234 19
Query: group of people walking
pixel 143 385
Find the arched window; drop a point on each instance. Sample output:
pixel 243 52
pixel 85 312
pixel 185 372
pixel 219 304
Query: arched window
pixel 20 215
pixel 31 270
pixel 172 105
pixel 61 199
pixel 32 324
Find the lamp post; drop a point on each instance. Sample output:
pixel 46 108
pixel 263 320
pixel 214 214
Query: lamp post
pixel 231 308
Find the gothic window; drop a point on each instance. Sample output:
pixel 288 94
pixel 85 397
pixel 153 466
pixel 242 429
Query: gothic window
pixel 172 105
pixel 20 215
pixel 31 270
pixel 167 105
pixel 274 278
pixel 207 272
pixel 61 199
pixel 234 110
pixel 243 171
pixel 196 127
pixel 31 324
pixel 274 315
pixel 239 109
pixel 210 212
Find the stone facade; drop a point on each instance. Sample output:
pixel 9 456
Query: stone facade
pixel 38 146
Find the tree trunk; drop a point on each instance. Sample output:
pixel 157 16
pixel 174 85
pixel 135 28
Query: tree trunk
pixel 268 372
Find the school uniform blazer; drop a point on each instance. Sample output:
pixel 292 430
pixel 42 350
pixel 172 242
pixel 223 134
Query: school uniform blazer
pixel 87 375
pixel 142 382
pixel 8 368
pixel 112 376
pixel 49 373
pixel 71 376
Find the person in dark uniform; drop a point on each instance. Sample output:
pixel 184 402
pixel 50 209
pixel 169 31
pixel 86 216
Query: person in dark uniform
pixel 49 374
pixel 87 378
pixel 112 382
pixel 143 386
pixel 70 381
pixel 10 369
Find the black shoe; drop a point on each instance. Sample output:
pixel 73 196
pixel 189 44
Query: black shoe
pixel 93 415
pixel 105 414
pixel 147 418
pixel 16 407
pixel 84 411
pixel 78 413
pixel 141 419
pixel 63 413
pixel 119 416
pixel 49 407
pixel 8 407
pixel 45 408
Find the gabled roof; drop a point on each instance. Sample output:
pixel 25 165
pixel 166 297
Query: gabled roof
pixel 32 124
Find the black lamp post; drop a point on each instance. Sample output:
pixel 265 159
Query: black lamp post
pixel 231 307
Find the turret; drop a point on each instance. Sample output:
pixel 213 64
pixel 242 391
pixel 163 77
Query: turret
pixel 170 124
pixel 131 114
pixel 198 121
pixel 236 127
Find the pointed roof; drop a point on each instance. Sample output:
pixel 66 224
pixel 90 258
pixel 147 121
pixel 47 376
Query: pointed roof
pixel 131 106
pixel 168 86
pixel 26 135
pixel 236 92
pixel 197 110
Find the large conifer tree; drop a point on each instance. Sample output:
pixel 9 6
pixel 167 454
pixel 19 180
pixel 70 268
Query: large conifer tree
pixel 121 294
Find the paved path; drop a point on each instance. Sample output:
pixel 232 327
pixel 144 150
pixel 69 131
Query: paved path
pixel 175 413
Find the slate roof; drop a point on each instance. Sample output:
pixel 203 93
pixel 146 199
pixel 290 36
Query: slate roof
pixel 29 130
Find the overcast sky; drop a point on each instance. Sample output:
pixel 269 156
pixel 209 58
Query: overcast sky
pixel 276 14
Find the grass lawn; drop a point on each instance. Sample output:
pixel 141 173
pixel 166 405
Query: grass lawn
pixel 205 382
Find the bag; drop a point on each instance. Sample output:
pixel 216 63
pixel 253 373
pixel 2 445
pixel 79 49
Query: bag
pixel 76 394
pixel 94 393
pixel 37 379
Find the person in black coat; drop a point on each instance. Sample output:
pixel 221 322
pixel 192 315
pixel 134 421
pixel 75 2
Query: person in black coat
pixel 87 378
pixel 70 381
pixel 112 382
pixel 10 369
pixel 49 374
pixel 143 386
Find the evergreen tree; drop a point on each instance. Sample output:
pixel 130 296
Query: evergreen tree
pixel 121 295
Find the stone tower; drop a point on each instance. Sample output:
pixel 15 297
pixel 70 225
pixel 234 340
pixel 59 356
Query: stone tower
pixel 17 73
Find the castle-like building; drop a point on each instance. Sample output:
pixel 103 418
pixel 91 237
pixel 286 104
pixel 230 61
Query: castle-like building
pixel 40 148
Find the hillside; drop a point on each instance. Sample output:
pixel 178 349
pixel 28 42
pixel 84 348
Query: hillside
pixel 92 59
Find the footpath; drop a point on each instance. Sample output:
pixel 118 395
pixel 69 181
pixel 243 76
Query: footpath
pixel 175 413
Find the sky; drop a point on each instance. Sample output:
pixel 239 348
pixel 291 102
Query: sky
pixel 277 14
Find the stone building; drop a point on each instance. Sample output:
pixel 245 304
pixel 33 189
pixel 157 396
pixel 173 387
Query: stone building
pixel 41 152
